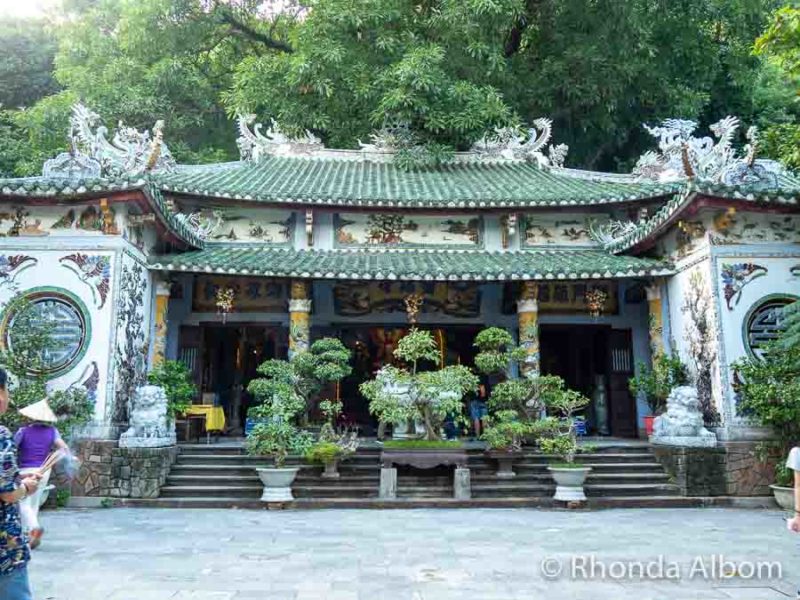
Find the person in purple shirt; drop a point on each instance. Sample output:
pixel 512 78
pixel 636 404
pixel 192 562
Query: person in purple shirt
pixel 35 442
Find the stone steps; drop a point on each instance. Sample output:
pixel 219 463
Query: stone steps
pixel 207 475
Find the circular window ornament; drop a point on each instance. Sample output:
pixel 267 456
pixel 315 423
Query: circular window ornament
pixel 763 323
pixel 68 323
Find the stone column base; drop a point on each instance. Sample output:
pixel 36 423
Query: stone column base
pixel 462 484
pixel 388 489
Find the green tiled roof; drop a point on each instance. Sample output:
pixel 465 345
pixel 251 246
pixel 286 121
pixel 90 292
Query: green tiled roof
pixel 673 208
pixel 439 265
pixel 337 182
pixel 80 188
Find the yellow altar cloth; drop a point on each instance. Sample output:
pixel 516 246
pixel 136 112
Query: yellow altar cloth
pixel 215 416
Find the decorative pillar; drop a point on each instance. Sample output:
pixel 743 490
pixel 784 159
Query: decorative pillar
pixel 299 317
pixel 655 319
pixel 160 320
pixel 528 318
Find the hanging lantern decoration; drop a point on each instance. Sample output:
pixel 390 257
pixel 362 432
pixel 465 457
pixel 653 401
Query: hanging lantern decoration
pixel 596 302
pixel 224 301
pixel 413 304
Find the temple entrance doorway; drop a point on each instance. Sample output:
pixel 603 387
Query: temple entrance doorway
pixel 373 347
pixel 591 358
pixel 227 356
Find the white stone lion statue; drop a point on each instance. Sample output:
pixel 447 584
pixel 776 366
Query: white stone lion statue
pixel 149 426
pixel 682 424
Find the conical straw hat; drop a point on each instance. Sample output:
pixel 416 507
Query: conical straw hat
pixel 39 411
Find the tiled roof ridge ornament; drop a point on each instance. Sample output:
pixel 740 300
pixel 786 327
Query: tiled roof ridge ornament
pixel 130 152
pixel 682 156
pixel 254 145
pixel 511 144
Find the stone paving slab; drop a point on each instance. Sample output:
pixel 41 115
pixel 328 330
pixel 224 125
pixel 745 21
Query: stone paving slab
pixel 480 554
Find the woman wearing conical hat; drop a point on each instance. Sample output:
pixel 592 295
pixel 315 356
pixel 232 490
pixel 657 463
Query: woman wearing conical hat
pixel 35 441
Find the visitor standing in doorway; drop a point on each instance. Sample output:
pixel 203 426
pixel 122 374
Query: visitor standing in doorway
pixel 478 411
pixel 35 441
pixel 14 551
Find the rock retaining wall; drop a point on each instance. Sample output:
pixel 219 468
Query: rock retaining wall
pixel 730 469
pixel 107 470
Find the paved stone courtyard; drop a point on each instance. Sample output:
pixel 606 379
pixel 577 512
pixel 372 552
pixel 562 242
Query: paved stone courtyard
pixel 480 554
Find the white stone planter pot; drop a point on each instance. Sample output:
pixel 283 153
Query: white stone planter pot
pixel 569 483
pixel 784 496
pixel 277 483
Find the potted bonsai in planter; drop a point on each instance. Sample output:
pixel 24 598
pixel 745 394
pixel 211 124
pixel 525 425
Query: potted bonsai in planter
pixel 406 394
pixel 516 405
pixel 655 384
pixel 568 475
pixel 277 438
pixel 769 392
pixel 286 390
pixel 504 436
pixel 332 446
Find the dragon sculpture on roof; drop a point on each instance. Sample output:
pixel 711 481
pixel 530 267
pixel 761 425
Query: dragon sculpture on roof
pixel 511 143
pixel 254 145
pixel 129 152
pixel 681 156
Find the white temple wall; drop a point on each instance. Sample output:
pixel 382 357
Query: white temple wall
pixel 746 278
pixel 81 270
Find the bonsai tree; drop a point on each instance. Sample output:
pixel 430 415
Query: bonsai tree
pixel 305 375
pixel 517 405
pixel 332 445
pixel 655 383
pixel 398 394
pixel 564 442
pixel 175 378
pixel 285 391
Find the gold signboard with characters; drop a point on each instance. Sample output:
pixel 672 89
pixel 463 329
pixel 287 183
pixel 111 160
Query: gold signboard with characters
pixel 251 294
pixel 455 299
pixel 564 297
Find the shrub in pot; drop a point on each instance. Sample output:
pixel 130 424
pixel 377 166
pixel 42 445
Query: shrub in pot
pixel 656 382
pixel 329 453
pixel 504 436
pixel 276 439
pixel 568 475
pixel 406 394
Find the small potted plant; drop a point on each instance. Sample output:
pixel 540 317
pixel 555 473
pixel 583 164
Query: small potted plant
pixel 783 488
pixel 332 446
pixel 277 438
pixel 568 475
pixel 504 436
pixel 655 384
pixel 176 380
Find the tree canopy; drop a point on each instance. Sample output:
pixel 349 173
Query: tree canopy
pixel 448 69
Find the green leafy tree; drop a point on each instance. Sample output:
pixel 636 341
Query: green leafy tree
pixel 656 382
pixel 174 376
pixel 27 51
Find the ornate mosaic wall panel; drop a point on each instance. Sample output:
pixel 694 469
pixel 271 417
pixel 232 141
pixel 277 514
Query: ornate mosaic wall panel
pixel 43 221
pixel 569 229
pixel 394 229
pixel 453 299
pixel 227 224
